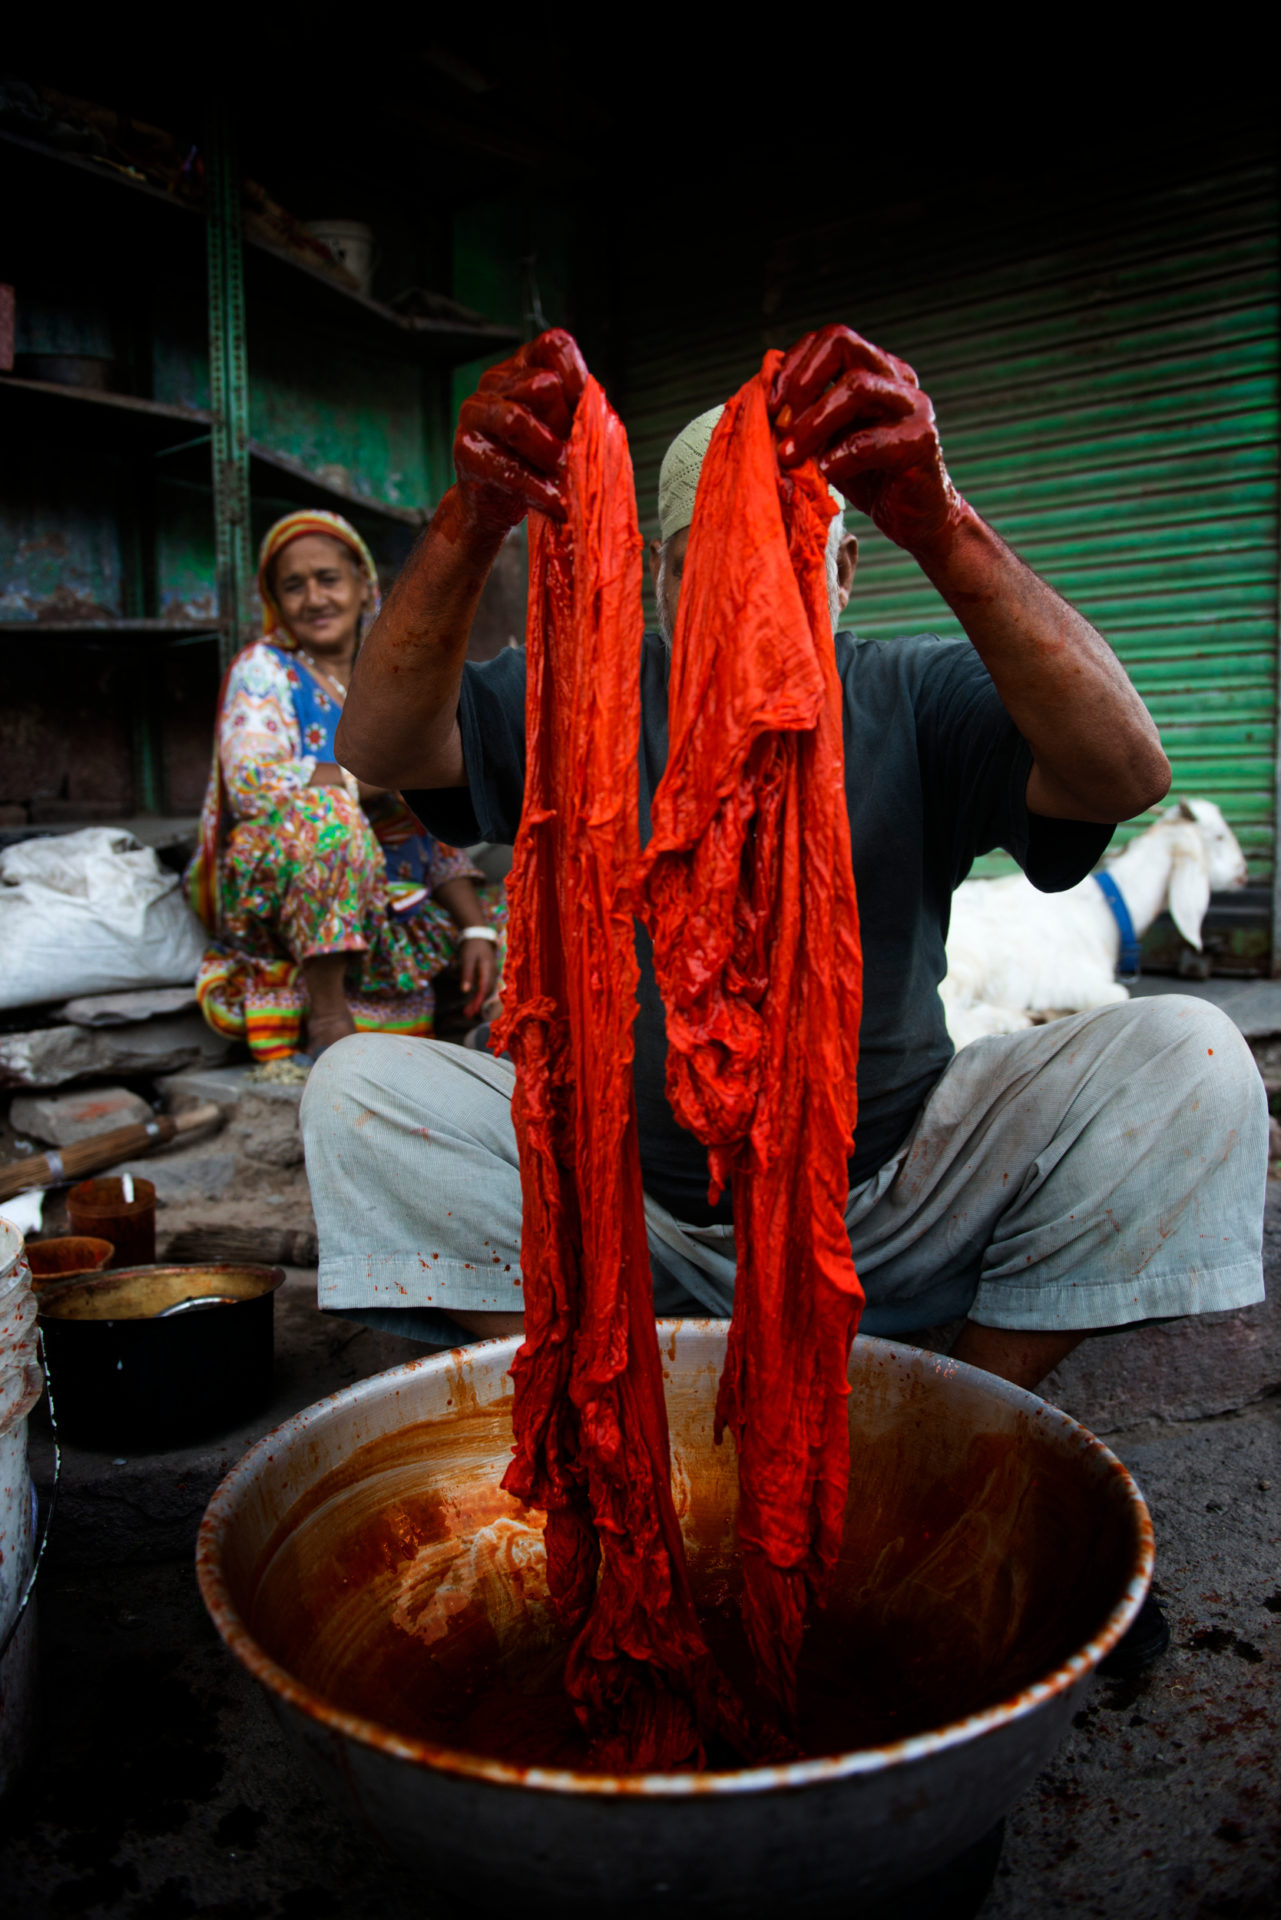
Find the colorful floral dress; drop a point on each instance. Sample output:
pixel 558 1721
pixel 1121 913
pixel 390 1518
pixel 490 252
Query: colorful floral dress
pixel 301 870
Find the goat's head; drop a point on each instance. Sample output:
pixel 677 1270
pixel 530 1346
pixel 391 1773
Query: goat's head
pixel 1224 861
pixel 1205 858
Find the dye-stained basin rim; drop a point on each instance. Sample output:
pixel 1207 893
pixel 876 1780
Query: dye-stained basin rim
pixel 220 1517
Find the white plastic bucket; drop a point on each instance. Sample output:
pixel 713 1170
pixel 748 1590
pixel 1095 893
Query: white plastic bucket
pixel 352 244
pixel 20 1384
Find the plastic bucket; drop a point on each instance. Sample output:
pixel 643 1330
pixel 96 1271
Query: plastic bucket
pixel 20 1385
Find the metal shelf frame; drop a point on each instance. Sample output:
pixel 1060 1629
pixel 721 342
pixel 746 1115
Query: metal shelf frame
pixel 229 386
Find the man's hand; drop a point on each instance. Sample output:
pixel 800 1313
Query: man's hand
pixel 862 415
pixel 509 450
pixel 399 725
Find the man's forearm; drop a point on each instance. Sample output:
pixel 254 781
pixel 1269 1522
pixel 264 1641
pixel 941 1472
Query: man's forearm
pixel 1096 752
pixel 864 416
pixel 399 725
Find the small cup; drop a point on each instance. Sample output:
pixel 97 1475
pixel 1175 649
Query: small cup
pixel 99 1208
pixel 66 1257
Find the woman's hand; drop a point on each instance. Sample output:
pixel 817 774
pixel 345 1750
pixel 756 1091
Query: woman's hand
pixel 477 958
pixel 329 774
pixel 861 414
pixel 509 450
pixel 478 971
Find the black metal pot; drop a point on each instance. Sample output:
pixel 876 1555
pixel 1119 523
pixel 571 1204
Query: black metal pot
pixel 153 1357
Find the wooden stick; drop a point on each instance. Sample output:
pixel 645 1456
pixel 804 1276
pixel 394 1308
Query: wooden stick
pixel 101 1150
pixel 263 1246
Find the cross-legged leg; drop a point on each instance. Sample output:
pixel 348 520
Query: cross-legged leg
pixel 1079 1176
pixel 415 1181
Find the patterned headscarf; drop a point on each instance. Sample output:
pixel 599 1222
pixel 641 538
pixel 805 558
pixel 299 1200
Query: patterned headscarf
pixel 293 527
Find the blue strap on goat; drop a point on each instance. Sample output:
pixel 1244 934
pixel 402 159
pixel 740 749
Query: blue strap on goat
pixel 1128 964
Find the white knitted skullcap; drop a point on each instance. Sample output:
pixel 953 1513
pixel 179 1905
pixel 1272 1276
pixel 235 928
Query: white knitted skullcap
pixel 678 475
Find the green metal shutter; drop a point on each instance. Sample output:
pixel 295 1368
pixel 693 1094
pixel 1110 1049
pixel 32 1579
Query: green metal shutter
pixel 1103 361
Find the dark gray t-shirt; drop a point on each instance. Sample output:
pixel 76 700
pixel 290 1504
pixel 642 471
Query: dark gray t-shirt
pixel 935 774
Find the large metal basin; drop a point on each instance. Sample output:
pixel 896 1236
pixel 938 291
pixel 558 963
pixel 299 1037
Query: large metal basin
pixel 363 1565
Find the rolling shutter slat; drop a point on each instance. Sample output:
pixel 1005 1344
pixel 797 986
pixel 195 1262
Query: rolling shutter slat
pixel 1107 397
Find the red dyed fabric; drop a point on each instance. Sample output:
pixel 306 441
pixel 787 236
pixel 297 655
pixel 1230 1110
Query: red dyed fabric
pixel 748 893
pixel 590 1419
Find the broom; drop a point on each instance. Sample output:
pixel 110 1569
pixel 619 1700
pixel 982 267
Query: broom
pixel 101 1150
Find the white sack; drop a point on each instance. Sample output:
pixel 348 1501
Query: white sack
pixel 91 912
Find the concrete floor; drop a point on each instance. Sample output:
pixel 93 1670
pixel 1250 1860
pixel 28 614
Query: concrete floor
pixel 1166 1800
pixel 161 1788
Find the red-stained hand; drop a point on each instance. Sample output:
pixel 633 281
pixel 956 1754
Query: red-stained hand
pixel 861 414
pixel 509 449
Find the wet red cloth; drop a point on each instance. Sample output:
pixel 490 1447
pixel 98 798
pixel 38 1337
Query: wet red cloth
pixel 748 893
pixel 590 1419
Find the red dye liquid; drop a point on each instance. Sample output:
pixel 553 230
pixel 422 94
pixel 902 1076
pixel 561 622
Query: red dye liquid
pixel 409 1589
pixel 62 1258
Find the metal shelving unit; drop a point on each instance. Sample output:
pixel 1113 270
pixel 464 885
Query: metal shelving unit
pixel 205 448
pixel 171 432
pixel 229 388
pixel 444 342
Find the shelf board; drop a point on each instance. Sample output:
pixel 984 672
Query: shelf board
pixel 449 341
pixel 106 171
pixel 104 415
pixel 106 418
pixel 331 493
pixel 103 396
pixel 445 342
pixel 110 624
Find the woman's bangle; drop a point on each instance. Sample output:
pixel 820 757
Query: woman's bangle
pixel 478 933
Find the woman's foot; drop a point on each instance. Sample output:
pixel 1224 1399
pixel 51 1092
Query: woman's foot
pixel 330 1017
pixel 323 1029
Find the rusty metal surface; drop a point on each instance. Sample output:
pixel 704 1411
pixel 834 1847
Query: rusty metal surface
pixel 863 1818
pixel 144 1293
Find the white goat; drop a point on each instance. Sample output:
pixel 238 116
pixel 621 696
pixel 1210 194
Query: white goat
pixel 1013 952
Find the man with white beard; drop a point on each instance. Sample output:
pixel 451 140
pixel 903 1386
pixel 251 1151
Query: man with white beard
pixel 1040 1186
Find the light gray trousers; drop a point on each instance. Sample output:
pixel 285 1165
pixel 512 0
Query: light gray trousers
pixel 1102 1169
